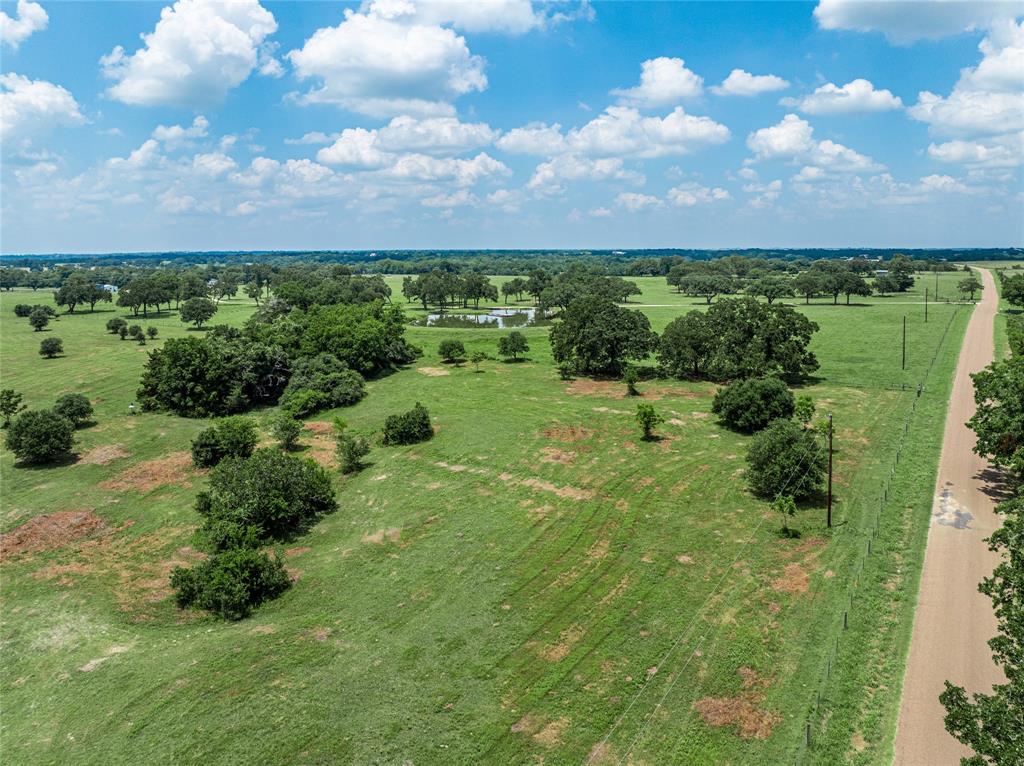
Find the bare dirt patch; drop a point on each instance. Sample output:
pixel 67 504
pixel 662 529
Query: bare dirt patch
pixel 391 535
pixel 555 455
pixel 49 531
pixel 103 454
pixel 528 724
pixel 433 372
pixel 568 434
pixel 146 476
pixel 609 389
pixel 794 579
pixel 319 426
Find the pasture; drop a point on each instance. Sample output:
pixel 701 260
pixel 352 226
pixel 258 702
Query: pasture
pixel 534 585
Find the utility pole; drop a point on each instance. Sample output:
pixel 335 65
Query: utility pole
pixel 904 366
pixel 936 284
pixel 828 517
pixel 926 305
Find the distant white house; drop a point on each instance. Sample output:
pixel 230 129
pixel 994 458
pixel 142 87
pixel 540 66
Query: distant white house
pixel 881 272
pixel 108 288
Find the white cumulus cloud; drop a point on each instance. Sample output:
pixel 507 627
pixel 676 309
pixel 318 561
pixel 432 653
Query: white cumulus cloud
pixel 633 201
pixel 857 95
pixel 29 17
pixel 743 83
pixel 536 138
pixel 998 152
pixel 175 133
pixel 198 51
pixel 987 99
pixel 793 139
pixel 904 22
pixel 380 66
pixel 30 106
pixel 691 194
pixel 663 81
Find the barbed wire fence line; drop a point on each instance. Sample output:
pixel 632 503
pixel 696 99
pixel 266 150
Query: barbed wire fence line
pixel 841 619
pixel 869 546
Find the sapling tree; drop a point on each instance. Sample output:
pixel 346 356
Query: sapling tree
pixel 10 405
pixel 648 419
pixel 631 377
pixel 513 344
pixel 785 506
pixel 286 430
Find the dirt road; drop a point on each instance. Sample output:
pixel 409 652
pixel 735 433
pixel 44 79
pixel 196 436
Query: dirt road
pixel 953 621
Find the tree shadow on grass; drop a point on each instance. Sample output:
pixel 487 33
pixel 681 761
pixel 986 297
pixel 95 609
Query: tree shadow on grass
pixel 62 461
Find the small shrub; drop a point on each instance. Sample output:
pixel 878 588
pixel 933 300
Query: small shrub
pixel 114 325
pixel 74 407
pixel 230 437
pixel 803 411
pixel 38 319
pixel 50 347
pixel 40 436
pixel 631 377
pixel 286 430
pixel 451 350
pixel 351 450
pixel 123 331
pixel 151 332
pixel 135 332
pixel 648 419
pixel 751 404
pixel 408 427
pixel 10 405
pixel 786 458
pixel 22 310
pixel 231 583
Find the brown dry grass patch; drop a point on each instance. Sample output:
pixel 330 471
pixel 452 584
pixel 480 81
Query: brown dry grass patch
pixel 148 475
pixel 551 735
pixel 392 535
pixel 433 372
pixel 573 493
pixel 794 579
pixel 567 434
pixel 742 711
pixel 103 454
pixel 49 531
pixel 555 455
pixel 609 389
pixel 134 568
pixel 559 650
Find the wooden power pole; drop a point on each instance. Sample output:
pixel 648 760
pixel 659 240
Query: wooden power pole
pixel 828 517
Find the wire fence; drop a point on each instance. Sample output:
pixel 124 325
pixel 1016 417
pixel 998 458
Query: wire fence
pixel 869 546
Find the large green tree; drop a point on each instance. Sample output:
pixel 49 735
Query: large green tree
pixel 594 336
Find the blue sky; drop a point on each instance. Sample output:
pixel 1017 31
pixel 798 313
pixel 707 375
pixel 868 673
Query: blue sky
pixel 413 124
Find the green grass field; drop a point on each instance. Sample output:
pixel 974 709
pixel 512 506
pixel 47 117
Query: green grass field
pixel 535 584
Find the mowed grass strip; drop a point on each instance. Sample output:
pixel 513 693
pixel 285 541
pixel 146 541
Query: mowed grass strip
pixel 497 595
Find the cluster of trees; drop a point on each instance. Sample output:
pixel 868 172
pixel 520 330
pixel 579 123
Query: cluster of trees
pixel 447 289
pixel 734 338
pixel 729 276
pixel 252 502
pixel 310 359
pixel 1012 288
pixel 991 724
pixel 119 326
pixel 79 289
pixel 39 437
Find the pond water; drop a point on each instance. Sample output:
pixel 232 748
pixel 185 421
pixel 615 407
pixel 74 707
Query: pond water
pixel 499 318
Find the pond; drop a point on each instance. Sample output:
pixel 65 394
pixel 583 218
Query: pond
pixel 499 318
